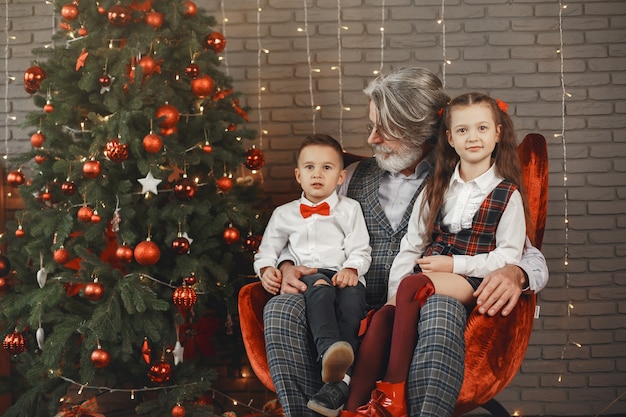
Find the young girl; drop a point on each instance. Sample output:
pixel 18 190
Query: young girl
pixel 469 221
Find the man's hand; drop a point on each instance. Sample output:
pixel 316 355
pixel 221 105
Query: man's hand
pixel 436 263
pixel 500 290
pixel 347 277
pixel 291 283
pixel 271 279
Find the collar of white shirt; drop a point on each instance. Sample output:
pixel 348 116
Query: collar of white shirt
pixel 484 181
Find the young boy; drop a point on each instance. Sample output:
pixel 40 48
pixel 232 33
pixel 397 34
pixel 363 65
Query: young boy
pixel 325 231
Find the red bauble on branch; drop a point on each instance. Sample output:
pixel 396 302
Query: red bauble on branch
pixel 5 265
pixel 100 358
pixel 14 343
pixel 84 214
pixel 178 411
pixel 254 159
pixel 91 168
pixel 116 151
pixel 189 8
pixel 61 256
pixel 15 178
pixel 94 291
pixel 147 253
pixel 184 297
pixel 252 242
pixel 185 188
pixel 69 11
pixel 37 139
pixel 169 115
pixel 154 19
pixel 124 253
pixel 202 86
pixel 180 245
pixel 160 372
pixel 119 15
pixel 192 70
pixel 152 143
pixel 215 41
pixel 68 188
pixel 33 77
pixel 231 235
pixel 224 184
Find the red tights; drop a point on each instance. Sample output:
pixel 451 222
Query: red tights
pixel 390 341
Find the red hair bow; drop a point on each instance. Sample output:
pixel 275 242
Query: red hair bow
pixel 502 105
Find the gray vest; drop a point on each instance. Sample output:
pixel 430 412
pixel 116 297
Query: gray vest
pixel 385 241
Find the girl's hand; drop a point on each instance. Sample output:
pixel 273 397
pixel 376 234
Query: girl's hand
pixel 347 277
pixel 437 263
pixel 271 279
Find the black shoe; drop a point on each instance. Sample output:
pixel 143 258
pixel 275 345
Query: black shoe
pixel 330 399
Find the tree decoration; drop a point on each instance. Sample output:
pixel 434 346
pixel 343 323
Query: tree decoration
pixel 69 11
pixel 124 253
pixel 61 255
pixel 48 107
pixel 152 143
pixel 189 8
pixel 154 19
pixel 95 217
pixel 185 188
pixel 40 159
pixel 178 411
pixel 105 80
pixel 215 41
pixel 149 184
pixel 180 245
pixel 167 115
pixel 42 277
pixel 116 151
pixel 100 358
pixel 254 159
pixel 68 188
pixel 207 148
pixel 225 183
pixel 82 31
pixel 149 66
pixel 252 242
pixel 147 252
pixel 5 265
pixel 160 372
pixel 37 139
pixel 46 195
pixel 192 70
pixel 14 343
pixel 84 214
pixel 33 77
pixel 184 297
pixel 202 86
pixel 19 232
pixel 119 15
pixel 40 336
pixel 91 169
pixel 15 178
pixel 231 235
pixel 146 351
pixel 94 290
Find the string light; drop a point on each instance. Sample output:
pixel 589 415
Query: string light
pixel 382 38
pixel 260 89
pixel 442 22
pixel 339 72
pixel 224 21
pixel 7 76
pixel 308 56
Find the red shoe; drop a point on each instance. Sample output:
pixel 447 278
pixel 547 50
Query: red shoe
pixel 388 400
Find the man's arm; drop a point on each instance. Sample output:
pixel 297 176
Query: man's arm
pixel 291 283
pixel 501 289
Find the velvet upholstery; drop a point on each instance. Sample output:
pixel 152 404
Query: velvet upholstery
pixel 495 346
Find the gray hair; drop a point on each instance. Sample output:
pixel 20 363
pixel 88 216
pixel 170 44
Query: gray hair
pixel 407 101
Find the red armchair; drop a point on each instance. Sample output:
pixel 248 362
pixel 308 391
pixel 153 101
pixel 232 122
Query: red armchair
pixel 495 346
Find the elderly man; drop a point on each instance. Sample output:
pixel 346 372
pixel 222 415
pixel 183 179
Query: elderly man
pixel 403 111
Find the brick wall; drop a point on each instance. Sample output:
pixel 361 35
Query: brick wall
pixel 507 48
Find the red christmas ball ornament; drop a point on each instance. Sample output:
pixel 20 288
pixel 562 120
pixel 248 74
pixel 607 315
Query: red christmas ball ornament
pixel 147 253
pixel 254 159
pixel 231 235
pixel 116 151
pixel 252 242
pixel 160 372
pixel 224 184
pixel 185 189
pixel 154 19
pixel 152 143
pixel 84 214
pixel 40 159
pixel 202 86
pixel 105 80
pixel 37 139
pixel 69 11
pixel 191 279
pixel 14 343
pixel 124 253
pixel 94 291
pixel 100 358
pixel 119 15
pixel 148 65
pixel 20 232
pixel 207 148
pixel 68 188
pixel 215 41
pixel 184 297
pixel 192 70
pixel 5 266
pixel 168 131
pixel 48 107
pixel 101 9
pixel 4 283
pixel 91 168
pixel 15 178
pixel 178 411
pixel 82 31
pixel 189 8
pixel 95 217
pixel 169 115
pixel 180 245
pixel 33 77
pixel 61 256
pixel 46 195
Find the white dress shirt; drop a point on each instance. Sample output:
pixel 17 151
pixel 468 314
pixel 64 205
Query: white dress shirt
pixel 461 202
pixel 337 241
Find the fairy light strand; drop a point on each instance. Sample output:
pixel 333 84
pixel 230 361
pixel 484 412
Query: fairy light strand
pixel 7 78
pixel 442 21
pixel 258 70
pixel 308 57
pixel 225 52
pixel 382 37
pixel 340 72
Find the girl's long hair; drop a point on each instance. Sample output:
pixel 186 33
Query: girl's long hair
pixel 505 157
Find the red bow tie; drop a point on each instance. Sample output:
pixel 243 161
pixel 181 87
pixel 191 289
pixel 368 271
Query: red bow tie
pixel 321 209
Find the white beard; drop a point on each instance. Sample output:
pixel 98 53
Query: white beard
pixel 396 160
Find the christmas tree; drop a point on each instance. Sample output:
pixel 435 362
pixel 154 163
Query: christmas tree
pixel 135 223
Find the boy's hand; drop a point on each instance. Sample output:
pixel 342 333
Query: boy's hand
pixel 271 279
pixel 347 277
pixel 437 263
